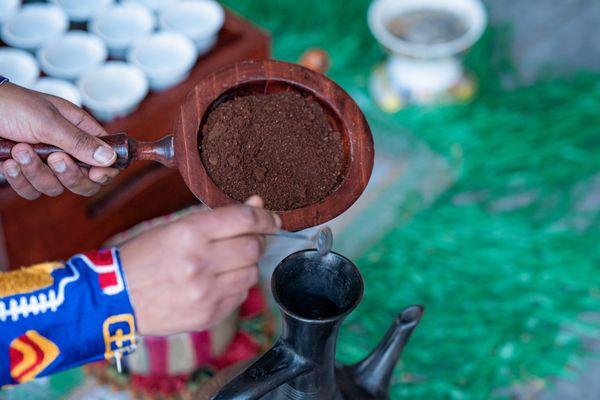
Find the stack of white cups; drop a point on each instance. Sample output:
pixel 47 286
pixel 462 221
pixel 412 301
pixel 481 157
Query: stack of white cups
pixel 151 44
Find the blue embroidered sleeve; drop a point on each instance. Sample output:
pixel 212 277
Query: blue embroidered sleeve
pixel 55 316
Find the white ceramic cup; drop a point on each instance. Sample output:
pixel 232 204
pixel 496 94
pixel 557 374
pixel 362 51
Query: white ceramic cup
pixel 113 90
pixel 155 5
pixel 59 88
pixel 166 57
pixel 121 25
pixel 83 10
pixel 200 20
pixel 34 26
pixel 382 12
pixel 18 66
pixel 425 70
pixel 72 55
pixel 8 8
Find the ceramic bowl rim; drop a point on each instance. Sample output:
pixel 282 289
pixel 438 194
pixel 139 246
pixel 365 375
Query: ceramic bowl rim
pixel 122 104
pixel 187 62
pixel 379 9
pixel 25 57
pixel 50 11
pixel 135 10
pixel 85 38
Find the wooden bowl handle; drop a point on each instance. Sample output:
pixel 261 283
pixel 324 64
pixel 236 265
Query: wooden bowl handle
pixel 127 149
pixel 316 59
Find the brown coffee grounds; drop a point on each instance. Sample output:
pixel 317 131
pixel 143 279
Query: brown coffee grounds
pixel 279 146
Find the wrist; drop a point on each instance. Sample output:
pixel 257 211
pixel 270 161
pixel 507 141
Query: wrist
pixel 136 278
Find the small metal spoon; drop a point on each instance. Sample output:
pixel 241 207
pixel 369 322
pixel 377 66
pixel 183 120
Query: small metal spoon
pixel 323 239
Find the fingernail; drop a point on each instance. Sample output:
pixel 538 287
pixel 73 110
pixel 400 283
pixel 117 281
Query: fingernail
pixel 104 155
pixel 59 166
pixel 23 157
pixel 12 171
pixel 102 179
pixel 277 220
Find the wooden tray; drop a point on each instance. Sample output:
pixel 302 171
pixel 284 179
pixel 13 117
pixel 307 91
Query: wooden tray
pixel 56 228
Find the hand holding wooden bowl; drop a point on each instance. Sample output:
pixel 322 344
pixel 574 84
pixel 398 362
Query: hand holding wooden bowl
pixel 181 149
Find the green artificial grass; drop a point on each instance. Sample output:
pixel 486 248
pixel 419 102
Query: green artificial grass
pixel 507 259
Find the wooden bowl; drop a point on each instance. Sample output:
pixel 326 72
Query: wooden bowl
pixel 263 77
pixel 182 149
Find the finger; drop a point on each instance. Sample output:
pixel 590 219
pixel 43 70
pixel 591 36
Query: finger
pixel 227 306
pixel 35 171
pixel 102 175
pixel 239 252
pixel 77 116
pixel 255 201
pixel 14 177
pixel 70 175
pixel 233 282
pixel 238 220
pixel 81 145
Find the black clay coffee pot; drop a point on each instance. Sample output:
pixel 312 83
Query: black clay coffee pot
pixel 314 294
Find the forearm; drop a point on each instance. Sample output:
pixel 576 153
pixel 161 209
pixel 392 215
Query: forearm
pixel 55 316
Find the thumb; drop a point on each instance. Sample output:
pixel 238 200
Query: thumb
pixel 254 201
pixel 81 145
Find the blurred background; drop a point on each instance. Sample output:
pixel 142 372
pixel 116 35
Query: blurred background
pixel 485 199
pixel 492 221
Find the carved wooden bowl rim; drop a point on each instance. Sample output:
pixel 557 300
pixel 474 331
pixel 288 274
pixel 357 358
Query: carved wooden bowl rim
pixel 337 104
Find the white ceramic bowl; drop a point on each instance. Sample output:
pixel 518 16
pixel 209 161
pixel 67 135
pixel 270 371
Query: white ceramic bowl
pixel 83 10
pixel 113 90
pixel 8 8
pixel 121 25
pixel 200 20
pixel 34 26
pixel 166 57
pixel 59 88
pixel 382 12
pixel 72 55
pixel 18 66
pixel 155 5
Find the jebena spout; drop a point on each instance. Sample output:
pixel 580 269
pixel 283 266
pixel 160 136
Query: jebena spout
pixel 370 378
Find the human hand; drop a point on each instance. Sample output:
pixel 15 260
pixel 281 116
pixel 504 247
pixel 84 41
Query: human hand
pixel 30 117
pixel 190 274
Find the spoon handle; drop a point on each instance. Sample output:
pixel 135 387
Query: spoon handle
pixel 127 148
pixel 292 235
pixel 119 142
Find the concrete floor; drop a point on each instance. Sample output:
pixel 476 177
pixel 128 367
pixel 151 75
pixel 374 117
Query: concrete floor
pixel 560 35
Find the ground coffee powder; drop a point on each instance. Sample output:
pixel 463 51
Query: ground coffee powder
pixel 279 146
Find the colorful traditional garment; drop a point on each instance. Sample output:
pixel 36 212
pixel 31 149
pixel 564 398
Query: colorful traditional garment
pixel 175 366
pixel 55 316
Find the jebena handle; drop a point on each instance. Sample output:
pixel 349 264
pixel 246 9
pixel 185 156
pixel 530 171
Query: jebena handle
pixel 277 366
pixel 127 149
